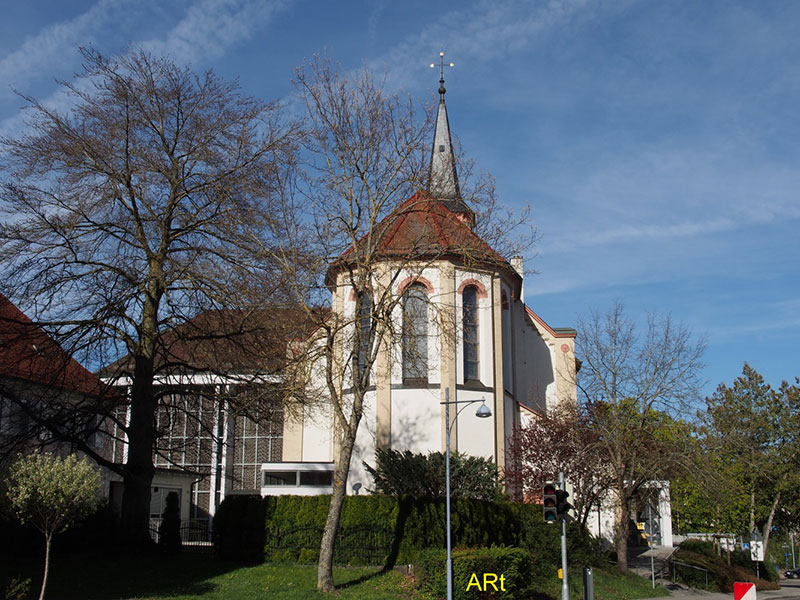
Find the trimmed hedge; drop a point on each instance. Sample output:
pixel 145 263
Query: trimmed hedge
pixel 240 528
pixel 246 527
pixel 469 567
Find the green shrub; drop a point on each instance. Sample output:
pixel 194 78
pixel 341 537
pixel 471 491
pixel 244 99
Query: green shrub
pixel 308 556
pixel 240 528
pixel 398 529
pixel 423 475
pixel 17 588
pixel 469 567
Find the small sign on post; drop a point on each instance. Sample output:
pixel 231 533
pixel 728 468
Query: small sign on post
pixel 756 550
pixel 744 590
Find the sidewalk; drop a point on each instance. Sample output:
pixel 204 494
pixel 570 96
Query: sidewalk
pixel 701 595
pixel 639 562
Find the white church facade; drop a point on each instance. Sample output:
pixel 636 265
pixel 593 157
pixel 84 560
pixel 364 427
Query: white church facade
pixel 474 338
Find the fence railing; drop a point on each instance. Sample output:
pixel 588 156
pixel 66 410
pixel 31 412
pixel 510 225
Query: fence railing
pixel 362 544
pixel 194 532
pixel 680 572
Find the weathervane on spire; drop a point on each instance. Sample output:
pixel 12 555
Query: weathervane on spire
pixel 442 65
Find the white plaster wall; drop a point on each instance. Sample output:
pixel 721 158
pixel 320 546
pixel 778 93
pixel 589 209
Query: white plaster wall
pixel 317 438
pixel 475 436
pixel 551 391
pixel 535 372
pixel 511 412
pixel 665 514
pixel 416 420
pixel 601 522
pixel 508 338
pixel 364 450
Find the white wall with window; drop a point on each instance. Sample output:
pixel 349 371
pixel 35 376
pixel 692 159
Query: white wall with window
pixel 296 478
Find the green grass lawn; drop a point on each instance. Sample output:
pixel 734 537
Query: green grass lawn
pixel 105 577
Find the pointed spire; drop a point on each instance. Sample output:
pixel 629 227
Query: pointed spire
pixel 443 178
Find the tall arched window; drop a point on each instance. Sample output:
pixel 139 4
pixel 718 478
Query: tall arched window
pixel 415 334
pixel 364 325
pixel 469 301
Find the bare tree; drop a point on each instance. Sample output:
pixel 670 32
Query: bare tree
pixel 367 150
pixel 635 388
pixel 563 440
pixel 146 203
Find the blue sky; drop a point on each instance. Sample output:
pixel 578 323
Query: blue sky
pixel 657 142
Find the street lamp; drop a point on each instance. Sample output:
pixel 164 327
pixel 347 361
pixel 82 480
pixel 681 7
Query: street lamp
pixel 483 412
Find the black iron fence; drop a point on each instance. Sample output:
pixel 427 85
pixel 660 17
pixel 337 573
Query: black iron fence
pixel 194 533
pixel 358 545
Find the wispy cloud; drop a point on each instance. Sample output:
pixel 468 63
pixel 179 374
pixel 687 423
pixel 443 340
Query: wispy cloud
pixel 53 47
pixel 210 27
pixel 482 34
pixel 631 232
pixel 206 30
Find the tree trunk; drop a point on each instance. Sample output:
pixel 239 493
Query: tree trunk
pixel 768 526
pixel 139 469
pixel 621 529
pixel 341 471
pixel 48 538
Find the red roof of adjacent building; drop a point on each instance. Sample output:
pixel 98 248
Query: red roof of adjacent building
pixel 28 354
pixel 227 341
pixel 423 228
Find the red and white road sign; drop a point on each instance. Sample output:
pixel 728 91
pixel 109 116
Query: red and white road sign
pixel 744 591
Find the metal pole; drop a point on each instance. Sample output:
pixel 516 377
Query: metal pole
pixel 447 488
pixel 791 537
pixel 588 584
pixel 564 585
pixel 650 542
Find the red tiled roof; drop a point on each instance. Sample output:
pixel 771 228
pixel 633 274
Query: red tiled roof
pixel 423 228
pixel 27 353
pixel 227 341
pixel 562 332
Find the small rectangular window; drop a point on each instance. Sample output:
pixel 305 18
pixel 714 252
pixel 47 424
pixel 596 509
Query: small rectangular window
pixel 280 478
pixel 317 478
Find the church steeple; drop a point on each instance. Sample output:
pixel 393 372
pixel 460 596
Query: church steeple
pixel 443 182
pixel 443 177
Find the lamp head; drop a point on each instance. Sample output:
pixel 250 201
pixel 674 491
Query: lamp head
pixel 483 411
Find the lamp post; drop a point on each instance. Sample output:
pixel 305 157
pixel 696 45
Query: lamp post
pixel 483 412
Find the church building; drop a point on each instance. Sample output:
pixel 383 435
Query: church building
pixel 463 332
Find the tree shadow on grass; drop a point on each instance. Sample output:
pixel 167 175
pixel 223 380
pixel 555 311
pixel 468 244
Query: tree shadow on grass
pixel 96 576
pixel 360 580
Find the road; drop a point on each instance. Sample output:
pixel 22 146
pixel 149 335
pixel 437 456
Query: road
pixel 790 588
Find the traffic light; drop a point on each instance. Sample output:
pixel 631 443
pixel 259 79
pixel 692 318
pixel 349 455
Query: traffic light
pixel 563 507
pixel 550 501
pixel 556 506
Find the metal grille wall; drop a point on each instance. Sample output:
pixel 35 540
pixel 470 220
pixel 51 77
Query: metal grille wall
pixel 257 439
pixel 186 423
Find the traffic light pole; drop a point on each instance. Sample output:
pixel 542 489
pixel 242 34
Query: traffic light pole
pixel 564 585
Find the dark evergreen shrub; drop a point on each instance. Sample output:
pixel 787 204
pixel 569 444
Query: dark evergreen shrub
pixel 423 475
pixel 290 525
pixel 169 532
pixel 240 528
pixel 17 588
